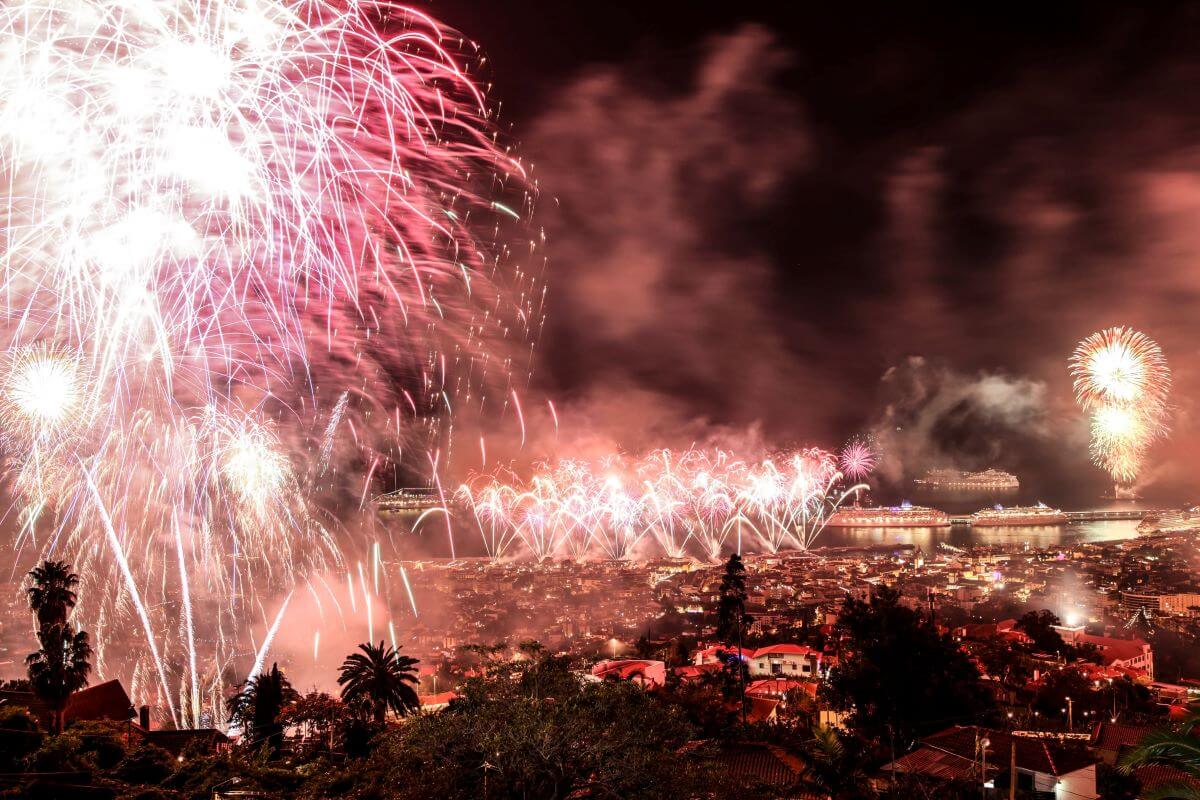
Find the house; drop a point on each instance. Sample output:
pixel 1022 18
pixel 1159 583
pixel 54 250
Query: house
pixel 206 740
pixel 786 660
pixel 104 701
pixel 645 673
pixel 108 701
pixel 776 660
pixel 436 702
pixel 1124 653
pixel 1045 767
pixel 1128 654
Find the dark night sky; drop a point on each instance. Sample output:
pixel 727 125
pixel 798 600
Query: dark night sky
pixel 809 220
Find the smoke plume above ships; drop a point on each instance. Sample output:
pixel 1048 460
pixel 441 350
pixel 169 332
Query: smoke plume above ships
pixel 733 246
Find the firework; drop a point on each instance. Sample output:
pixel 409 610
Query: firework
pixel 858 459
pixel 1122 379
pixel 1121 367
pixel 703 502
pixel 233 229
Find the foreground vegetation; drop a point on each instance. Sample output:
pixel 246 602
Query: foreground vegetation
pixel 527 725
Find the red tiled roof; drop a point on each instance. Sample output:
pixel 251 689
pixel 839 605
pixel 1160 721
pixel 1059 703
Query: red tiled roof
pixel 936 763
pixel 1115 649
pixel 784 649
pixel 694 671
pixel 770 765
pixel 761 709
pixel 781 686
pixel 103 701
pixel 1156 775
pixel 1035 754
pixel 1113 736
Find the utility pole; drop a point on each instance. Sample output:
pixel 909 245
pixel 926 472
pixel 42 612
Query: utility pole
pixel 1012 769
pixel 742 662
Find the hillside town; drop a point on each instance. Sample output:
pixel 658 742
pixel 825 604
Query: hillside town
pixel 1059 662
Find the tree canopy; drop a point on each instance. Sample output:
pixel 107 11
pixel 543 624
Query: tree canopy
pixel 899 677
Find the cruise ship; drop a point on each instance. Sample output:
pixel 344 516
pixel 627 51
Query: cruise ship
pixel 408 500
pixel 904 515
pixel 1040 514
pixel 988 480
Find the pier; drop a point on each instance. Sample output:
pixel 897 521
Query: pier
pixel 1095 515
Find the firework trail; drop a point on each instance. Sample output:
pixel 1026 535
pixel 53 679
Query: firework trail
pixel 226 222
pixel 1122 380
pixel 688 502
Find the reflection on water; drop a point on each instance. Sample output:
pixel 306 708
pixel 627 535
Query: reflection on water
pixel 966 536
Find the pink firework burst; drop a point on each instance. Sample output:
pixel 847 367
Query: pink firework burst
pixel 857 460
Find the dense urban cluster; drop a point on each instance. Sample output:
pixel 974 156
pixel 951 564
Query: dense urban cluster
pixel 887 671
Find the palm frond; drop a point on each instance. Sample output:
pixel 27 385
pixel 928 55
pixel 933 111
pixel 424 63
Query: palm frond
pixel 1165 747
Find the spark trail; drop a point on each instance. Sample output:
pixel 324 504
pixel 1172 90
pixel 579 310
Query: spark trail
pixel 691 501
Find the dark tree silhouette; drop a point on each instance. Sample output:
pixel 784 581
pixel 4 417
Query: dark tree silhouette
pixel 59 669
pixel 831 768
pixel 62 665
pixel 731 605
pixel 378 679
pixel 899 677
pixel 732 618
pixel 52 593
pixel 1039 626
pixel 316 717
pixel 257 707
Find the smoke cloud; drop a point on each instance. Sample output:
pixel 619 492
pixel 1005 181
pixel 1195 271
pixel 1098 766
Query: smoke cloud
pixel 660 290
pixel 730 249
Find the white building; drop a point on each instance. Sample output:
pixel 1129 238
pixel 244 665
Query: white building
pixel 787 661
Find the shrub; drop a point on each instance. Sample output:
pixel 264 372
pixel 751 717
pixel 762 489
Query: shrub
pixel 146 765
pixel 19 737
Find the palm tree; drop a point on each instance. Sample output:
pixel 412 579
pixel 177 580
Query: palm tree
pixel 379 678
pixel 1175 747
pixel 52 593
pixel 258 704
pixel 830 768
pixel 62 664
pixel 59 669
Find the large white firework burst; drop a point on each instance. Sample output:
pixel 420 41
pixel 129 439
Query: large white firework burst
pixel 1122 379
pixel 223 218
